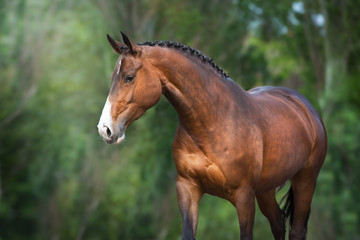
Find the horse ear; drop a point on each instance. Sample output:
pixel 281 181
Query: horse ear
pixel 117 47
pixel 133 47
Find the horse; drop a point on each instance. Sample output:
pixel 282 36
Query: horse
pixel 235 144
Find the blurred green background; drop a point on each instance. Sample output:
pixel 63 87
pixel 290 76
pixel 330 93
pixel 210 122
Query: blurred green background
pixel 59 180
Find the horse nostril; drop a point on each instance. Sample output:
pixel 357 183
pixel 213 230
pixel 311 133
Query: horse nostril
pixel 108 132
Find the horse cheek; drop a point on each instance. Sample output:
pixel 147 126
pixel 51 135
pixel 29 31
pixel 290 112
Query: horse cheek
pixel 152 94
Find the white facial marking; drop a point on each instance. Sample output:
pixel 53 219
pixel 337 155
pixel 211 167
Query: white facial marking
pixel 119 66
pixel 105 119
pixel 105 125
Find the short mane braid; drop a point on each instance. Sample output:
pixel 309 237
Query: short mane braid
pixel 184 48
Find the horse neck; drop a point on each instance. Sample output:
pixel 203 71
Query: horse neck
pixel 196 90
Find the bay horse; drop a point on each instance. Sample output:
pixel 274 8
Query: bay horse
pixel 235 144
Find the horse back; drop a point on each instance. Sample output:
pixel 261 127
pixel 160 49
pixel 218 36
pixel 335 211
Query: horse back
pixel 295 101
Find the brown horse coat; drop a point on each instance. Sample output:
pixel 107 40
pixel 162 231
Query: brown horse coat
pixel 235 144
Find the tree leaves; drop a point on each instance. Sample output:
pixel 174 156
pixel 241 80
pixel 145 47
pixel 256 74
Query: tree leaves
pixel 57 177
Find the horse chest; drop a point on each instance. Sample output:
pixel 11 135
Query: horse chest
pixel 205 173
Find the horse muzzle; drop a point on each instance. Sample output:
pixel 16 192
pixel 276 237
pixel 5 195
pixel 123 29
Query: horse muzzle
pixel 110 136
pixel 106 128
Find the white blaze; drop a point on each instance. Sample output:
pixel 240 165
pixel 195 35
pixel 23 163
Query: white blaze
pixel 105 122
pixel 118 71
pixel 105 119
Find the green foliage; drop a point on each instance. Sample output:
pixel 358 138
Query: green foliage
pixel 58 180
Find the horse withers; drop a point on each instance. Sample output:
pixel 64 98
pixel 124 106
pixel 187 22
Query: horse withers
pixel 236 144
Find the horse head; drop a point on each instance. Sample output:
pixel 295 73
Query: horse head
pixel 135 87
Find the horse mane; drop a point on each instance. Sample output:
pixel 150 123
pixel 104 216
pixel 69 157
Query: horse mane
pixel 184 48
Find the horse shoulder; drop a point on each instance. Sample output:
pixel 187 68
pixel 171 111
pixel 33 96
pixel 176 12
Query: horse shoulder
pixel 220 169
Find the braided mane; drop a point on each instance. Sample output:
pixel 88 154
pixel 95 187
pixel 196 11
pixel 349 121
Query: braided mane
pixel 195 52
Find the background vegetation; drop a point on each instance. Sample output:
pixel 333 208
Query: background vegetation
pixel 59 180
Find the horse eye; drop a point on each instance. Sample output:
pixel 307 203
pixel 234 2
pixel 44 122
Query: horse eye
pixel 128 79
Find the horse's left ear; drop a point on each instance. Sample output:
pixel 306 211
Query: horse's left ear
pixel 133 47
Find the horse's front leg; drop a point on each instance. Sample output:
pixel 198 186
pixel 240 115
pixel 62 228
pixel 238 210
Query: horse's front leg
pixel 189 195
pixel 244 202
